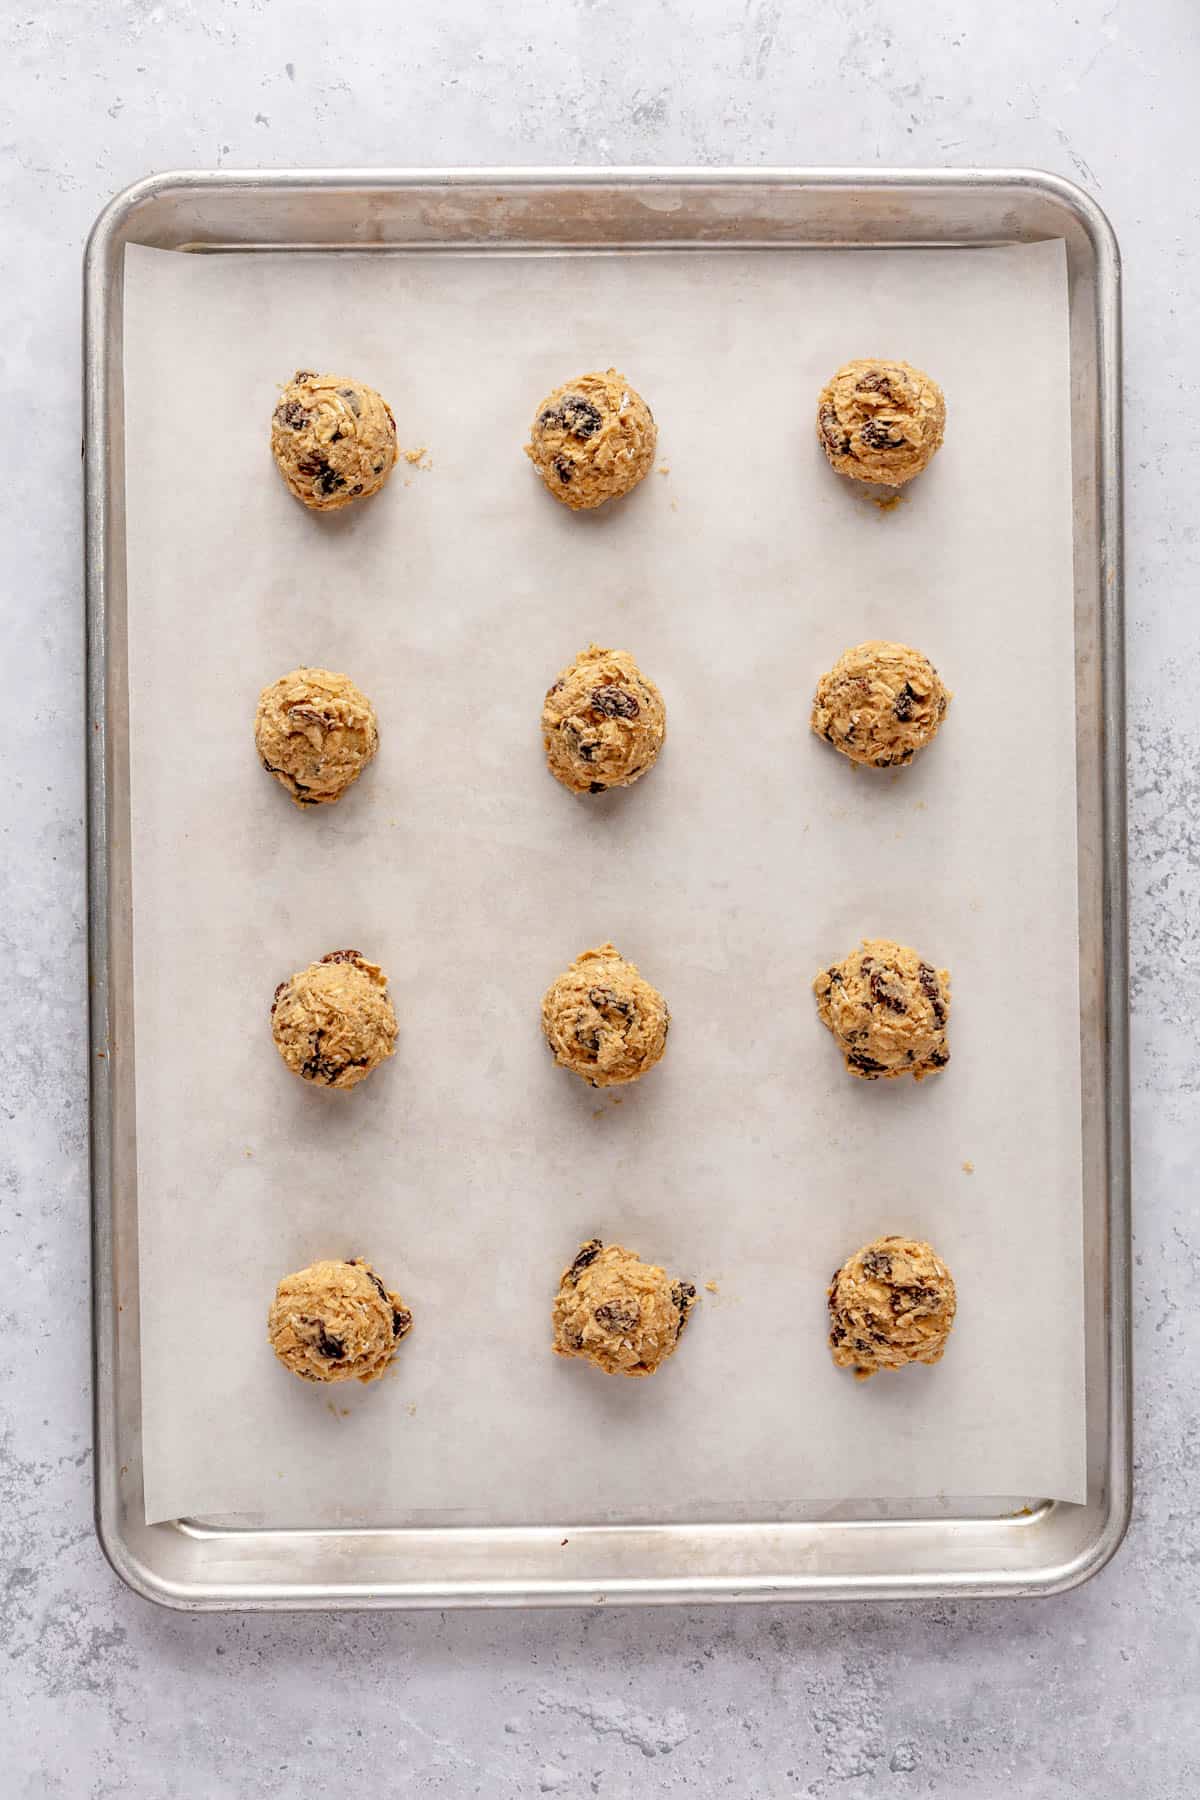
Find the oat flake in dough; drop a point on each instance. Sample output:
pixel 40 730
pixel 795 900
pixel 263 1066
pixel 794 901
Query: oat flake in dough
pixel 880 703
pixel 603 1021
pixel 881 421
pixel 333 1022
pixel 315 732
pixel 592 440
pixel 603 722
pixel 333 439
pixel 621 1314
pixel 892 1303
pixel 336 1321
pixel 887 1009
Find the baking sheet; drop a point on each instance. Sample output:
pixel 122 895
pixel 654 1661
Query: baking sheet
pixel 469 1168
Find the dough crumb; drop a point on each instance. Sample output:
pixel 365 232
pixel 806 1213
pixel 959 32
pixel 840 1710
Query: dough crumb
pixel 881 421
pixel 664 468
pixel 603 722
pixel 887 1010
pixel 968 1168
pixel 333 440
pixel 621 1314
pixel 602 1021
pixel 333 1022
pixel 880 703
pixel 415 458
pixel 315 732
pixel 592 439
pixel 710 1287
pixel 336 1321
pixel 888 502
pixel 892 1303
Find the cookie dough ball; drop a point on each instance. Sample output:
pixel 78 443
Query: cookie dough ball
pixel 622 1314
pixel 881 421
pixel 892 1303
pixel 333 1022
pixel 334 439
pixel 592 440
pixel 336 1320
pixel 603 723
pixel 887 1009
pixel 880 703
pixel 315 732
pixel 602 1021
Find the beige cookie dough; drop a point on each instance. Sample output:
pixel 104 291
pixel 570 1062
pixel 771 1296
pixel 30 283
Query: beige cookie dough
pixel 892 1303
pixel 622 1314
pixel 592 439
pixel 602 1021
pixel 887 1009
pixel 333 1022
pixel 335 1321
pixel 880 703
pixel 603 722
pixel 315 732
pixel 334 439
pixel 881 421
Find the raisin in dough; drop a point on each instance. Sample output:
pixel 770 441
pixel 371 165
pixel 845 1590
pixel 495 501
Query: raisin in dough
pixel 335 1321
pixel 621 1314
pixel 881 421
pixel 887 1009
pixel 602 1021
pixel 333 439
pixel 592 440
pixel 603 723
pixel 879 704
pixel 892 1303
pixel 333 1022
pixel 315 732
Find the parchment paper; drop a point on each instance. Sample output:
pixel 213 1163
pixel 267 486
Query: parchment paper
pixel 470 1168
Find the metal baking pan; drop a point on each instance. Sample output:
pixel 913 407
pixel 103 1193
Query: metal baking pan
pixel 846 1552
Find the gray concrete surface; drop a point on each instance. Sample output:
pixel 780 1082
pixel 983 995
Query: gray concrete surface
pixel 100 1695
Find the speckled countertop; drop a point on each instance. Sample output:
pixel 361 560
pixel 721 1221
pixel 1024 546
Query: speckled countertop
pixel 100 1694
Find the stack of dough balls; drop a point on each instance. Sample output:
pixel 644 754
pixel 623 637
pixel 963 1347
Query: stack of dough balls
pixel 333 439
pixel 603 1021
pixel 315 732
pixel 333 1022
pixel 621 1314
pixel 881 421
pixel 592 440
pixel 892 1303
pixel 603 722
pixel 879 704
pixel 887 1009
pixel 336 1321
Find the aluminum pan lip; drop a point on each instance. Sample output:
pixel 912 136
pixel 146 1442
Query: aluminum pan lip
pixel 115 225
pixel 127 201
